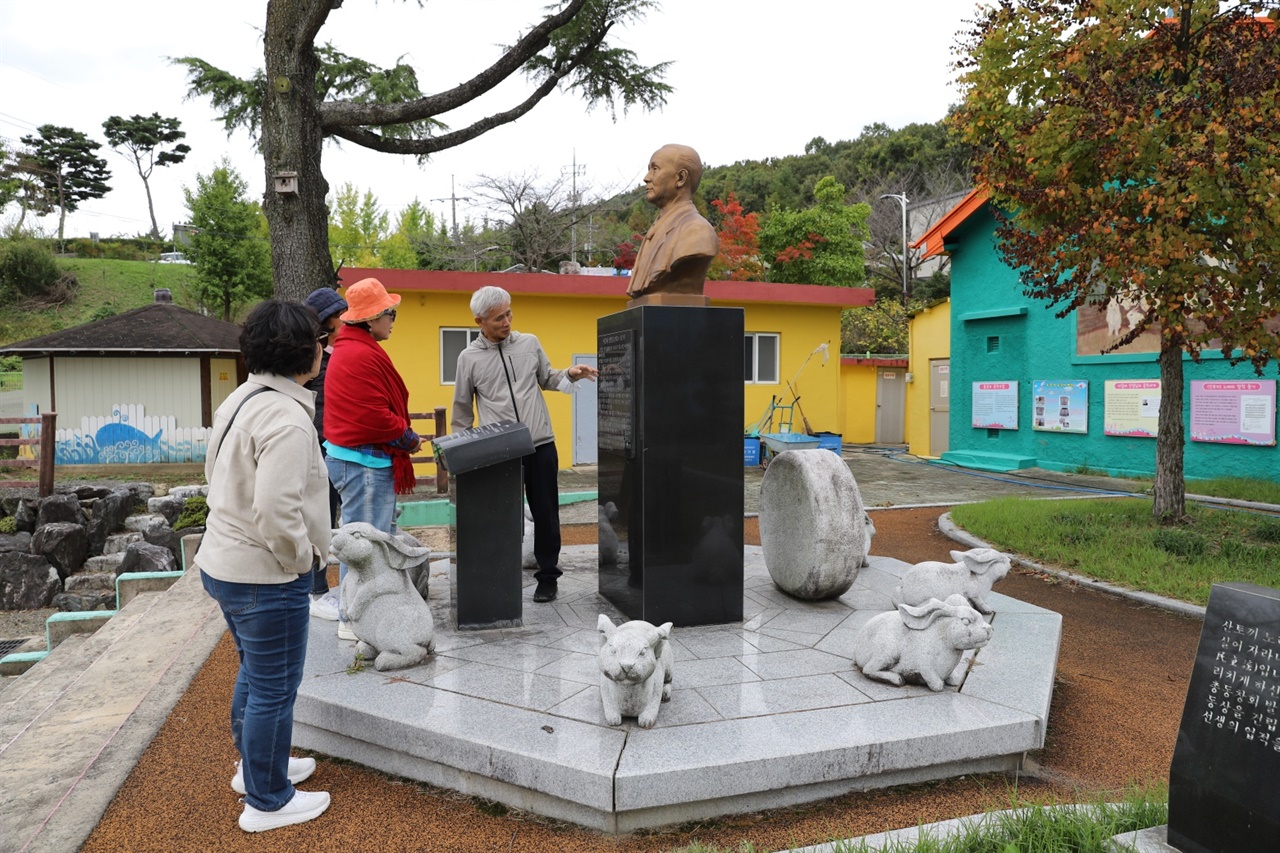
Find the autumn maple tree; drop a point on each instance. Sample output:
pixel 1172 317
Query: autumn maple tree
pixel 739 255
pixel 1130 149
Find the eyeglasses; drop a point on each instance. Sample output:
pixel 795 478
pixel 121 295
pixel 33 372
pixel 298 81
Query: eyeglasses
pixel 322 338
pixel 390 312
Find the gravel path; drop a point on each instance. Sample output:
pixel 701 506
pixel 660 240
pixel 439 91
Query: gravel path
pixel 1122 679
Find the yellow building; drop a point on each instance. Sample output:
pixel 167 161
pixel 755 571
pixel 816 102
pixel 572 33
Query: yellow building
pixel 929 392
pixel 785 324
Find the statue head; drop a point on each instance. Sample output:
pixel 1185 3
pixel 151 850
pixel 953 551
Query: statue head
pixel 674 174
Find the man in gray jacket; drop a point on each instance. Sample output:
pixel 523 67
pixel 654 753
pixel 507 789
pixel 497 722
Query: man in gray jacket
pixel 505 372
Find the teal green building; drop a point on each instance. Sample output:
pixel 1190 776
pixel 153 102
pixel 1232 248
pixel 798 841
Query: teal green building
pixel 1031 390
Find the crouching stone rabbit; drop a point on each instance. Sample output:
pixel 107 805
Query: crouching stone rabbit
pixel 922 643
pixel 635 670
pixel 385 611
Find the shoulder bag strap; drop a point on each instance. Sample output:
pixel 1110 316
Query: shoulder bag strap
pixel 232 419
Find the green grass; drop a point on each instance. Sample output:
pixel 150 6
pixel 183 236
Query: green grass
pixel 1237 488
pixel 1028 827
pixel 106 287
pixel 1116 540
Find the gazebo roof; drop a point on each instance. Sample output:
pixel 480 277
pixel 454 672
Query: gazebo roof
pixel 159 328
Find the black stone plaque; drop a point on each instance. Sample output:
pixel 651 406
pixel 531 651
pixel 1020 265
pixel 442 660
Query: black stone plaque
pixel 674 471
pixel 1224 793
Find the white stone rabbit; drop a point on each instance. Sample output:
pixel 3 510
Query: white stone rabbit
pixel 636 666
pixel 972 575
pixel 920 643
pixel 386 612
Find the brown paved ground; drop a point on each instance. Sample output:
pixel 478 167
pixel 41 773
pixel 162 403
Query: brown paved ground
pixel 1122 679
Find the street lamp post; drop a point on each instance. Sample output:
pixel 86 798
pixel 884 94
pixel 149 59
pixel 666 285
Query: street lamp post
pixel 475 259
pixel 902 199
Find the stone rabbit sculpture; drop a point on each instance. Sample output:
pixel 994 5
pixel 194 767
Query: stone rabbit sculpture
pixel 387 614
pixel 607 537
pixel 636 665
pixel 972 575
pixel 921 644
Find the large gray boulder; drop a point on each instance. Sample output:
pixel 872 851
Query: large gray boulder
pixel 20 541
pixel 811 524
pixel 145 557
pixel 60 508
pixel 80 602
pixel 27 582
pixel 64 545
pixel 165 537
pixel 109 514
pixel 168 506
pixel 25 516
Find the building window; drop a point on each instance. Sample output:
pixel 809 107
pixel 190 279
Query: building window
pixel 760 351
pixel 453 342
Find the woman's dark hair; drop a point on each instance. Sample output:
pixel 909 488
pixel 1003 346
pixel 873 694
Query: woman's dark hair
pixel 279 337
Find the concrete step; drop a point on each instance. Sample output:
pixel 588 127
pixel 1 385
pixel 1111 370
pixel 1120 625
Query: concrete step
pixel 118 543
pixel 74 725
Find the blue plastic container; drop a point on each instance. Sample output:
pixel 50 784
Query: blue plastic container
pixel 750 451
pixel 829 441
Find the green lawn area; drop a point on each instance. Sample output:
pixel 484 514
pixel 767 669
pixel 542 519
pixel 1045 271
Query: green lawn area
pixel 106 287
pixel 1116 540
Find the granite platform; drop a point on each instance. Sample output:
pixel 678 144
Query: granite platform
pixel 766 713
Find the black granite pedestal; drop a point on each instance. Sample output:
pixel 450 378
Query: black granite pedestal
pixel 486 493
pixel 670 462
pixel 1224 782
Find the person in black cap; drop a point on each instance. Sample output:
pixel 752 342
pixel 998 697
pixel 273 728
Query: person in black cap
pixel 328 305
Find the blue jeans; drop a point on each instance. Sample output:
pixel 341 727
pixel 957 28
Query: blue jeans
pixel 368 494
pixel 269 625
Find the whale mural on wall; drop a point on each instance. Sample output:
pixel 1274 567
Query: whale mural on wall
pixel 128 436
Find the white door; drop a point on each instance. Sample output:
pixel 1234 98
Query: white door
pixel 891 405
pixel 584 416
pixel 939 405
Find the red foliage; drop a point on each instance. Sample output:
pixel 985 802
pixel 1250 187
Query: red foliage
pixel 625 257
pixel 738 258
pixel 802 250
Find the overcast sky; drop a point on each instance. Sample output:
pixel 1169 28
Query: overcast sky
pixel 752 79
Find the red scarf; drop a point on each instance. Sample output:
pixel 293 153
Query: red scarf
pixel 366 401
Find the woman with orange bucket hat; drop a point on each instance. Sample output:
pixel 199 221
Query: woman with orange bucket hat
pixel 368 437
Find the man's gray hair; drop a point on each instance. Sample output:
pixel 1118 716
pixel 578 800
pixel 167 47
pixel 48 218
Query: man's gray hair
pixel 488 298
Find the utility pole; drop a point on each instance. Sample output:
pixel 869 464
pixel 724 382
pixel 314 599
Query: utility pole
pixel 453 198
pixel 575 170
pixel 902 199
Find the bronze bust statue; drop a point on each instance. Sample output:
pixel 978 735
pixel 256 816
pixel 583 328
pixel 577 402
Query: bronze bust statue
pixel 675 254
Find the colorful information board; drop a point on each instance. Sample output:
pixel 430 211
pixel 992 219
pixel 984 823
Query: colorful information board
pixel 1131 407
pixel 1060 405
pixel 995 405
pixel 1240 412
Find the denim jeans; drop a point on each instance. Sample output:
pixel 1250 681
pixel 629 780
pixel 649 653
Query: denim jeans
pixel 268 622
pixel 368 494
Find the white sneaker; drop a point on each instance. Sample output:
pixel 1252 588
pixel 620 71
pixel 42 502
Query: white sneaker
pixel 325 606
pixel 305 806
pixel 345 632
pixel 300 769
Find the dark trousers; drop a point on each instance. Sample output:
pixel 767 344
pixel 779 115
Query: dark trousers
pixel 319 580
pixel 542 490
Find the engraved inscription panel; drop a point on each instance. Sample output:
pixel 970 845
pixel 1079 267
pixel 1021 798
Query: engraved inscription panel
pixel 616 394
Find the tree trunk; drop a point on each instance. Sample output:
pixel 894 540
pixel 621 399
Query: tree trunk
pixel 1170 492
pixel 291 142
pixel 155 229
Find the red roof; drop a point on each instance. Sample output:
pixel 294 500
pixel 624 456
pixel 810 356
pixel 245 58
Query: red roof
pixel 549 284
pixel 932 240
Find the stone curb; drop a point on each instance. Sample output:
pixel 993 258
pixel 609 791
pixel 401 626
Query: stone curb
pixel 1182 608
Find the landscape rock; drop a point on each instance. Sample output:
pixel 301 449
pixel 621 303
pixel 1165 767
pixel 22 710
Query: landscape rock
pixel 118 543
pixel 108 517
pixel 169 507
pixel 73 602
pixel 141 491
pixel 27 582
pixel 87 493
pixel 185 492
pixel 811 524
pixel 145 557
pixel 20 541
pixel 93 582
pixel 59 508
pixel 165 537
pixel 64 545
pixel 25 517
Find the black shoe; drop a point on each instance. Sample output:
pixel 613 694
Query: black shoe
pixel 545 592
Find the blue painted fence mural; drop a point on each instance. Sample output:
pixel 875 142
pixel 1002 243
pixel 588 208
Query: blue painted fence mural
pixel 128 436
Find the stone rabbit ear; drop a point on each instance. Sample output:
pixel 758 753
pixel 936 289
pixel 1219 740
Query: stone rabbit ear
pixel 664 630
pixel 605 626
pixel 919 618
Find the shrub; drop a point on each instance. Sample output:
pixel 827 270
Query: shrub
pixel 9 525
pixel 194 513
pixel 27 268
